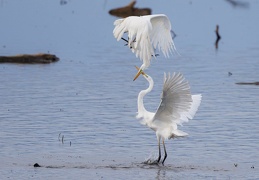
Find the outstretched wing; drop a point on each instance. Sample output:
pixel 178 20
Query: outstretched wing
pixel 145 34
pixel 176 100
pixel 160 34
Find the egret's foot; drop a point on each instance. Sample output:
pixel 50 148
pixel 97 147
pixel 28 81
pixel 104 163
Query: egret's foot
pixel 127 45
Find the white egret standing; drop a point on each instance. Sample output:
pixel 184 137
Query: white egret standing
pixel 177 106
pixel 145 34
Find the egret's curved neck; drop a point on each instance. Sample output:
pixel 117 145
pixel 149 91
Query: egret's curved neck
pixel 141 108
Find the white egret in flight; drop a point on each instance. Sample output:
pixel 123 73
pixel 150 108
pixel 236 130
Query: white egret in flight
pixel 145 35
pixel 176 107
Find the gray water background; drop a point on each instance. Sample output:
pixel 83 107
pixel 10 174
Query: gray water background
pixel 90 100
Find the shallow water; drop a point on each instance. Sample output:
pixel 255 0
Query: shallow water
pixel 88 98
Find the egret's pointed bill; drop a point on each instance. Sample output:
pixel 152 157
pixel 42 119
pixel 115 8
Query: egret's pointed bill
pixel 140 71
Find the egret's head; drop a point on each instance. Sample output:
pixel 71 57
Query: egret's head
pixel 140 71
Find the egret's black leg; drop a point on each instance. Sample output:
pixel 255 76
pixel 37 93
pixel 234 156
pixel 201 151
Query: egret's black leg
pixel 124 39
pixel 165 153
pixel 159 150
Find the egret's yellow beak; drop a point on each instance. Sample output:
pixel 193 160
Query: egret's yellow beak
pixel 140 71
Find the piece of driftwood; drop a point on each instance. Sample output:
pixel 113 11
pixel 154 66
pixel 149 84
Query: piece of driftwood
pixel 130 10
pixel 248 83
pixel 30 59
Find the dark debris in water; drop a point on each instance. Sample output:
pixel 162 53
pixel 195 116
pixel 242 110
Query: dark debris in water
pixel 248 83
pixel 236 3
pixel 218 36
pixel 36 165
pixel 130 10
pixel 55 167
pixel 40 58
pixel 63 2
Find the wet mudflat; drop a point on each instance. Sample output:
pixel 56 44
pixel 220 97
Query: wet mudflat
pixel 76 117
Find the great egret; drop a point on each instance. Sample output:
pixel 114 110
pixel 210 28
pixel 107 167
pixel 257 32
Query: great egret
pixel 176 107
pixel 145 34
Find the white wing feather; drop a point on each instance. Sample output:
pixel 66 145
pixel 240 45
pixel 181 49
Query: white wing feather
pixel 196 101
pixel 160 34
pixel 145 34
pixel 177 104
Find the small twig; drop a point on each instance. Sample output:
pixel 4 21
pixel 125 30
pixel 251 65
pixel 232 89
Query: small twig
pixel 217 32
pixel 218 37
pixel 59 136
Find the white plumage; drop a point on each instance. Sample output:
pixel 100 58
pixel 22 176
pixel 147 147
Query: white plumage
pixel 145 35
pixel 177 106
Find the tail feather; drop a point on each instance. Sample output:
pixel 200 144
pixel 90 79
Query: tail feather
pixel 178 133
